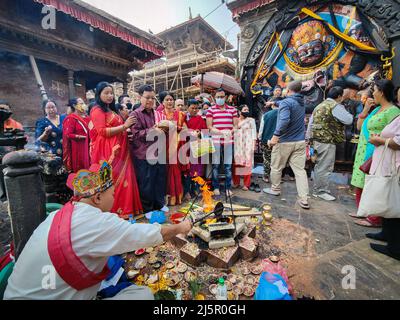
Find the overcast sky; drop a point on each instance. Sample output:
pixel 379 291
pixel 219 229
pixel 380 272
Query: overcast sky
pixel 158 15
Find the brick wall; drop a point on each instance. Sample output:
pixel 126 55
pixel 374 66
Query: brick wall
pixel 18 86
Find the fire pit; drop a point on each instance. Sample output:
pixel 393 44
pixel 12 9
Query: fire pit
pixel 218 231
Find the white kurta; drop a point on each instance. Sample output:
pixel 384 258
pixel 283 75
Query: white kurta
pixel 95 237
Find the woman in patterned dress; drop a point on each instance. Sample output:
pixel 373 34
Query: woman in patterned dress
pixel 372 124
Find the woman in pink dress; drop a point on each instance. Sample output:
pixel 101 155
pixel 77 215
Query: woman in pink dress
pixel 390 227
pixel 166 111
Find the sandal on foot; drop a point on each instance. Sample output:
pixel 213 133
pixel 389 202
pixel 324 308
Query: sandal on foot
pixel 303 204
pixel 366 223
pixel 354 215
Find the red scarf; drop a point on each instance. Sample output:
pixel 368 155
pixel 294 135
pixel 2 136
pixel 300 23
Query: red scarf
pixel 67 264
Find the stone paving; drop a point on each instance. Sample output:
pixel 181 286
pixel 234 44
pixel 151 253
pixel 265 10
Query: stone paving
pixel 338 243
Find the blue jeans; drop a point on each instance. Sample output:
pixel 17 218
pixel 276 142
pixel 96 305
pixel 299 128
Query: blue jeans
pixel 224 153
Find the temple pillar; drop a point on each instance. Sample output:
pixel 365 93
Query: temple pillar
pixel 26 196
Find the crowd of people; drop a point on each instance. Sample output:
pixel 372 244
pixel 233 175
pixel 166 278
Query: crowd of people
pixel 118 133
pixel 115 151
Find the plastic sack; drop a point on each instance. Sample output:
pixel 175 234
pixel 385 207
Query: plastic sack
pixel 158 217
pixel 276 268
pixel 272 287
pixel 202 147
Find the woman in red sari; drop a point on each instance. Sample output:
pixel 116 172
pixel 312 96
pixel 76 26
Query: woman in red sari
pixel 76 137
pixel 166 111
pixel 110 143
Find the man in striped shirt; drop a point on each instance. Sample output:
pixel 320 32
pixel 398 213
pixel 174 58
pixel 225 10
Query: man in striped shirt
pixel 222 120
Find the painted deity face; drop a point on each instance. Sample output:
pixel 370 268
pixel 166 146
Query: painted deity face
pixel 311 53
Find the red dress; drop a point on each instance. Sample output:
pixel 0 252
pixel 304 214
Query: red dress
pixel 115 150
pixel 196 123
pixel 174 170
pixel 76 150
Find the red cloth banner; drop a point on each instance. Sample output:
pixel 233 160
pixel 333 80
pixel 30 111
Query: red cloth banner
pixel 102 25
pixel 250 6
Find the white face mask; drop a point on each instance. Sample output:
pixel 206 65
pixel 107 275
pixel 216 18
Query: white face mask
pixel 220 101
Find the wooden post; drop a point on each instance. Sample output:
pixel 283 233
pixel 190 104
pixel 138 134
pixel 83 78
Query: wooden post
pixel 71 85
pixel 154 79
pixel 38 78
pixel 166 74
pixel 26 195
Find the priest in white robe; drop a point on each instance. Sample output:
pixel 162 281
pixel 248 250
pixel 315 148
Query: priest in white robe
pixel 66 257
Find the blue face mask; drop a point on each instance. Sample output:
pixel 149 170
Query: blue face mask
pixel 220 101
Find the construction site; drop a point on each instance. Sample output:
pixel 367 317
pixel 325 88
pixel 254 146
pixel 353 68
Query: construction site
pixel 192 48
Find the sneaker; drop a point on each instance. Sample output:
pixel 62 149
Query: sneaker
pixel 257 188
pixel 272 192
pixel 252 186
pixel 229 193
pixel 325 196
pixel 216 192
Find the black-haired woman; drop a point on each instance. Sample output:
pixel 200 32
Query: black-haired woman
pixel 48 132
pixel 110 143
pixel 372 123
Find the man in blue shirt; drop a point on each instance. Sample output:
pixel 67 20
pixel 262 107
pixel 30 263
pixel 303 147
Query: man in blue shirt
pixel 289 145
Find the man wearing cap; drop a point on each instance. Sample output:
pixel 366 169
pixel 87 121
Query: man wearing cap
pixel 66 257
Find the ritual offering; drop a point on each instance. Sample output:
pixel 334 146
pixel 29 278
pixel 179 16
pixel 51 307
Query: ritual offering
pixel 152 259
pixel 250 280
pixel 164 124
pixel 213 289
pixel 228 285
pixel 172 278
pixel 248 291
pixel 232 278
pixel 140 252
pixel 132 273
pixel 274 259
pixel 140 264
pixel 246 270
pixel 152 279
pixel 177 218
pixel 237 290
pixel 181 268
pixel 170 265
pixel 149 250
pixel 257 269
pixel 190 276
pixel 157 265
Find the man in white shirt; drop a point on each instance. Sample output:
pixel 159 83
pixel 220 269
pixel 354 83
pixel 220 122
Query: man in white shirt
pixel 66 257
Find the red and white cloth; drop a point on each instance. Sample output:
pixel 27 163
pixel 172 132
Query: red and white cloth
pixel 223 119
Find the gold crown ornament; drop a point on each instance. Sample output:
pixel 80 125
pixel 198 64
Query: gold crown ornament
pixel 86 183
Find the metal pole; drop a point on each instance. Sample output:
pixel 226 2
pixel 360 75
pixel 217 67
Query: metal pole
pixel 39 81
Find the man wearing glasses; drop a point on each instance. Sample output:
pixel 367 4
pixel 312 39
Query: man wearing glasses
pixel 151 174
